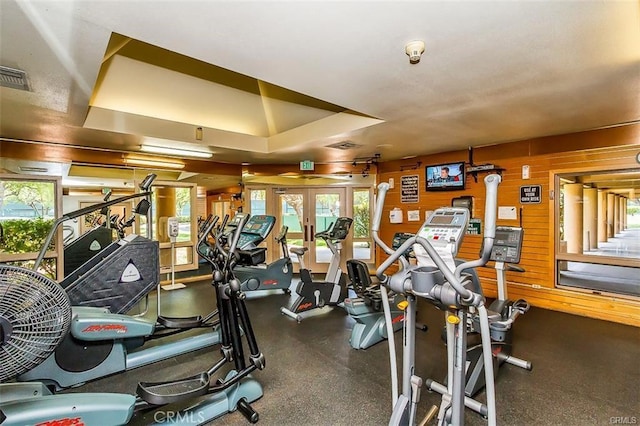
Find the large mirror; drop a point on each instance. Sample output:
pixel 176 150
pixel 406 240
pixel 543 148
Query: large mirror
pixel 33 194
pixel 598 231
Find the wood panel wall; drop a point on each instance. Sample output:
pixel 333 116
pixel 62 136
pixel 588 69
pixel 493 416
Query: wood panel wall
pixel 607 149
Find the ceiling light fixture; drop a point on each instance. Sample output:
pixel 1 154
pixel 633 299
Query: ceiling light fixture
pixel 33 169
pixel 153 163
pixel 155 149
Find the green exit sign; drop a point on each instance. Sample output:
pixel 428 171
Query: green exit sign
pixel 306 165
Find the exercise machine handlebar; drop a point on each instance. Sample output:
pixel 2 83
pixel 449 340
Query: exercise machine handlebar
pixel 202 239
pixel 491 183
pixel 377 217
pixel 146 183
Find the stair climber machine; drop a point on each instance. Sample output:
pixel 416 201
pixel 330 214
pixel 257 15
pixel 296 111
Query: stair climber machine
pixel 438 279
pixel 505 254
pixel 30 332
pixel 333 290
pixel 366 309
pixel 251 270
pixel 87 245
pixel 101 343
pixel 121 274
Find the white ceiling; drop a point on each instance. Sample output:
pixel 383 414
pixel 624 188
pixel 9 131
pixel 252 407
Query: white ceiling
pixel 492 72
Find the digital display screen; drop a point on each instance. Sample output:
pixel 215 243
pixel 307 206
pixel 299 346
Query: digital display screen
pixel 442 220
pixel 443 177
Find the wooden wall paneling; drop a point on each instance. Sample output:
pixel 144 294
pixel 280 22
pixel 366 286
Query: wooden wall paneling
pixel 586 151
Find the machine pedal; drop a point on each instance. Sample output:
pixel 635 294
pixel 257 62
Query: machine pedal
pixel 162 393
pixel 179 323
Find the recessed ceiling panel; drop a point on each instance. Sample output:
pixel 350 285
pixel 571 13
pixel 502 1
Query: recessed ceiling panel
pixel 151 92
pixel 135 87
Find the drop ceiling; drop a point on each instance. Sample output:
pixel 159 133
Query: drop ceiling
pixel 278 82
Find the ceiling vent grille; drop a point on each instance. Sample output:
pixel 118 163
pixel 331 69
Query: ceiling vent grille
pixel 344 145
pixel 15 79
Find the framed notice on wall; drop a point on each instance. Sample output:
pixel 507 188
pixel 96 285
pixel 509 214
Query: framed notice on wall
pixel 409 189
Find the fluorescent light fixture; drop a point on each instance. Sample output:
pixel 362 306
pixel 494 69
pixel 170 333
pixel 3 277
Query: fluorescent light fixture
pixel 153 163
pixel 155 149
pixel 33 169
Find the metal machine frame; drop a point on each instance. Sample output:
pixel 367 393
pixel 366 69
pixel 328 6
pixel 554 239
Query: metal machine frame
pixel 439 280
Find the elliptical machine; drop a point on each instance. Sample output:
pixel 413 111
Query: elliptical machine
pixel 437 279
pixel 100 343
pixel 333 290
pixel 30 332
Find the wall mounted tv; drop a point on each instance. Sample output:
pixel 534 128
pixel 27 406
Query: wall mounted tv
pixel 445 176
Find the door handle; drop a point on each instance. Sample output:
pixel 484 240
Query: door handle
pixel 305 232
pixel 312 236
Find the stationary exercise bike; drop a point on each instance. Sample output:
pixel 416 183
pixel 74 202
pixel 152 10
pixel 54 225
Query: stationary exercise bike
pixel 251 270
pixel 438 279
pixel 333 290
pixel 29 332
pixel 101 343
pixel 367 309
pixel 505 254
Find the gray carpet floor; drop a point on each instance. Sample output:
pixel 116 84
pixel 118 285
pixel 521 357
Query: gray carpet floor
pixel 586 371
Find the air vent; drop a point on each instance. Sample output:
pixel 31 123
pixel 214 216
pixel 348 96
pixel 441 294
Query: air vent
pixel 15 79
pixel 344 145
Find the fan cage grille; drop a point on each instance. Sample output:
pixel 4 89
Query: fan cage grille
pixel 38 312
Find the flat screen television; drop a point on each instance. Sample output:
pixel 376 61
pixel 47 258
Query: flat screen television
pixel 445 176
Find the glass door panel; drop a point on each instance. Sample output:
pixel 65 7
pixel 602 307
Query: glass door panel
pixel 306 212
pixel 291 214
pixel 327 207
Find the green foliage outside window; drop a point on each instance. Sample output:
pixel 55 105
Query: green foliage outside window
pixel 361 216
pixel 24 235
pixel 27 236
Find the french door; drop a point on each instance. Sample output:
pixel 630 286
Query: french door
pixel 307 211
